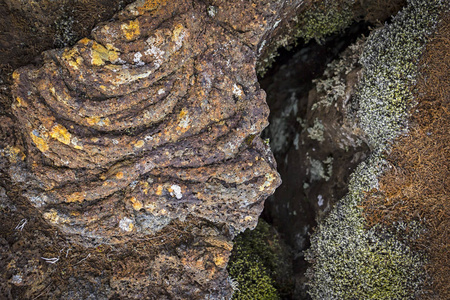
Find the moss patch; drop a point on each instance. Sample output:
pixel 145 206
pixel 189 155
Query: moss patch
pixel 348 260
pixel 257 265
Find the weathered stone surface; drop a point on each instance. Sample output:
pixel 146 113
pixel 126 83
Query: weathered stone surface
pixel 154 118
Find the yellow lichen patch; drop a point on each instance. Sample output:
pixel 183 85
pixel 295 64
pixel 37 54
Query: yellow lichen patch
pixel 51 216
pixel 131 29
pixel 137 205
pixel 84 41
pixel 178 32
pixel 139 144
pixel 149 5
pixel 93 120
pixel 145 186
pixel 98 120
pixel 248 218
pixel 21 102
pixel 75 213
pixel 40 143
pixel 100 54
pixel 220 260
pixel 61 134
pixel 14 154
pixel 104 122
pixel 159 190
pixel 269 179
pixel 76 144
pixel 183 121
pixel 76 197
pixel 15 75
pixel 119 175
pixel 72 57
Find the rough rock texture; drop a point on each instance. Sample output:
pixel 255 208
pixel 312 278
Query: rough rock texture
pixel 29 27
pixel 184 260
pixel 152 119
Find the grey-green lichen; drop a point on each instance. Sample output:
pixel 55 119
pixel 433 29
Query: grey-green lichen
pixel 321 19
pixel 389 62
pixel 316 132
pixel 332 85
pixel 351 262
pixel 348 260
pixel 325 18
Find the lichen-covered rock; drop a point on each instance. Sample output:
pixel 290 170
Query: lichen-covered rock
pixel 349 260
pixel 154 118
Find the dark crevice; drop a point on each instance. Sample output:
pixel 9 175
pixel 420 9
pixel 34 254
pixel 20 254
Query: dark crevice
pixel 294 209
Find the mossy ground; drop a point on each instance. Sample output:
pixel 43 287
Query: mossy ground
pixel 350 261
pixel 258 265
pixel 416 189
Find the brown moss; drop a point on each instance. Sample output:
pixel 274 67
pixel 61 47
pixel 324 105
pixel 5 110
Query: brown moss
pixel 377 11
pixel 416 188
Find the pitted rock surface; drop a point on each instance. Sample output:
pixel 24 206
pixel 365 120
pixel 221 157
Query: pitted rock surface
pixel 156 117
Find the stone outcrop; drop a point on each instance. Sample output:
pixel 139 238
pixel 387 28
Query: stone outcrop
pixel 154 118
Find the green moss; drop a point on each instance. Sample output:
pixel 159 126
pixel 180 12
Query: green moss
pixel 348 260
pixel 256 264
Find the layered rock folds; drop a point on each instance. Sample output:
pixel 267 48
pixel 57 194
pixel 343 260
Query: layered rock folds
pixel 156 116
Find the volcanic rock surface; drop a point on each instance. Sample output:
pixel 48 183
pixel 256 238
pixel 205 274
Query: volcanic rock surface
pixel 154 118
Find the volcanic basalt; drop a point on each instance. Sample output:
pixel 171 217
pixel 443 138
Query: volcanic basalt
pixel 155 117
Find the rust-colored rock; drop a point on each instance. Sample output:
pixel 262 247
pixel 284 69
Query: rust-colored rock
pixel 155 118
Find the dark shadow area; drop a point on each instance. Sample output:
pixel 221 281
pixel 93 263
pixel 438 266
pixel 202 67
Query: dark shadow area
pixel 314 169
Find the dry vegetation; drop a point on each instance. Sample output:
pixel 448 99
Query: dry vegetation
pixel 417 186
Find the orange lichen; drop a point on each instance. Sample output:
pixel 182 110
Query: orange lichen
pixel 150 5
pixel 76 197
pixel 159 190
pixel 61 134
pixel 220 260
pixel 72 57
pixel 14 154
pixel 20 102
pixel 269 179
pixel 131 29
pixel 93 120
pixel 137 205
pixel 52 216
pixel 40 143
pixel 139 144
pixel 101 54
